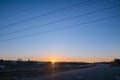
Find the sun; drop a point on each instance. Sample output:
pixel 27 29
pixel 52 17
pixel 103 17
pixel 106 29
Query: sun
pixel 53 61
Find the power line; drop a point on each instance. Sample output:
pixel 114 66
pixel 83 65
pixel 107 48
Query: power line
pixel 67 27
pixel 61 20
pixel 51 12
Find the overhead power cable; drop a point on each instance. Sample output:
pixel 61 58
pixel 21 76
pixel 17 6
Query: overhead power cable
pixel 58 29
pixel 61 20
pixel 51 12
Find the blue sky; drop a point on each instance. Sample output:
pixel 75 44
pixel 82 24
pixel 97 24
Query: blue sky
pixel 99 41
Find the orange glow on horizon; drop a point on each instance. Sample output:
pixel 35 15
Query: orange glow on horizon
pixel 58 58
pixel 90 60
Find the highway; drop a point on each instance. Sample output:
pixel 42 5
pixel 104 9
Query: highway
pixel 100 72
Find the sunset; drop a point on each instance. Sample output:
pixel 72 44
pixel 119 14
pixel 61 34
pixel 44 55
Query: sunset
pixel 53 39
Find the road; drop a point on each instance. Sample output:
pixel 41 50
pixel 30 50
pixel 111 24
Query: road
pixel 100 72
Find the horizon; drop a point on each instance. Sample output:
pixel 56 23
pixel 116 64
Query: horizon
pixel 51 61
pixel 55 60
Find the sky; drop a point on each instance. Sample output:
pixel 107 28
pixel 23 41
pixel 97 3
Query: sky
pixel 92 42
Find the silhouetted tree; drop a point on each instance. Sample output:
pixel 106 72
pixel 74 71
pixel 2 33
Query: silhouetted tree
pixel 117 62
pixel 19 62
pixel 1 62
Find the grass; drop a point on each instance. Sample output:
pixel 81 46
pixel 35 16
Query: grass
pixel 14 74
